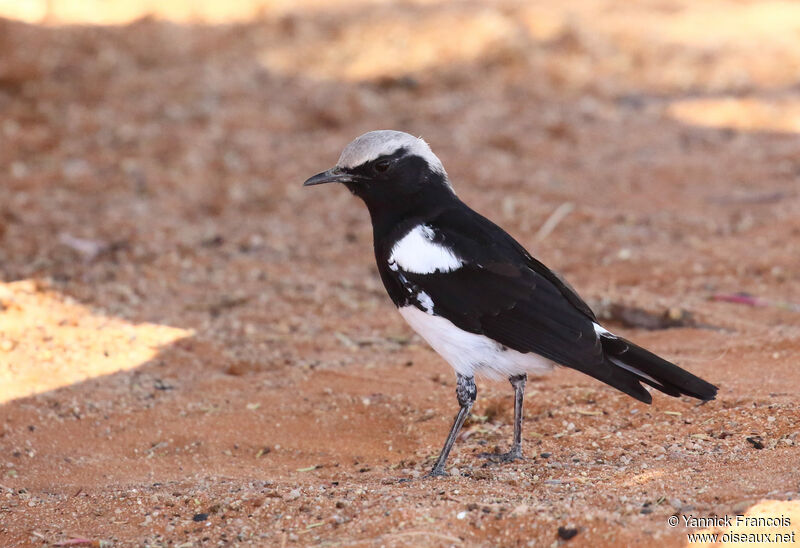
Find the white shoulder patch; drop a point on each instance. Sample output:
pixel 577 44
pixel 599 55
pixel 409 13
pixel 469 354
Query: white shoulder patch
pixel 417 252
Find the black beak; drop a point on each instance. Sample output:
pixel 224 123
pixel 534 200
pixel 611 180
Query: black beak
pixel 333 175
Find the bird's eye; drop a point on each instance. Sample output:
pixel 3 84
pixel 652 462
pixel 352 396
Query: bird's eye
pixel 382 166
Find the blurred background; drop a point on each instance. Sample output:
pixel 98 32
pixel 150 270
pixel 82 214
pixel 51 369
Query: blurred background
pixel 160 259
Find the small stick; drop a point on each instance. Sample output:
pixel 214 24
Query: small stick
pixel 750 300
pixel 77 542
pixel 425 534
pixel 553 220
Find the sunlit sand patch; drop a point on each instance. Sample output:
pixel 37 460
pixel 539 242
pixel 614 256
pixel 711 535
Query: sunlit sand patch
pixel 751 114
pixel 714 23
pixel 764 509
pixel 644 477
pixel 398 45
pixel 105 12
pixel 48 340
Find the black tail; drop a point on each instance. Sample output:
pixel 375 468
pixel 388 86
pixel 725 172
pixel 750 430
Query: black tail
pixel 631 364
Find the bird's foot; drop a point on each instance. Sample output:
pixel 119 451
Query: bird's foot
pixel 511 456
pixel 436 473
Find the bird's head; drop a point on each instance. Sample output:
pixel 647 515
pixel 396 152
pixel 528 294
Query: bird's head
pixel 383 167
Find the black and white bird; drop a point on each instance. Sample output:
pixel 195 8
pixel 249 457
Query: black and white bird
pixel 475 294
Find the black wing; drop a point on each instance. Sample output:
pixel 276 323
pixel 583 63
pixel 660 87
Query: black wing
pixel 502 292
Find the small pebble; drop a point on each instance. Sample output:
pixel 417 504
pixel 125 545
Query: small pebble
pixel 756 442
pixel 567 533
pixel 200 517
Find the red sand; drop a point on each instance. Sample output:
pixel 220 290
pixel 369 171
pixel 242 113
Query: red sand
pixel 194 350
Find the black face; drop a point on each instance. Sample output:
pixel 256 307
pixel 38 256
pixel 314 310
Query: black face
pixel 389 177
pixel 388 182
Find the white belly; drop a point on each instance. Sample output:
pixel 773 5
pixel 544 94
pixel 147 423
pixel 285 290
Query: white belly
pixel 471 354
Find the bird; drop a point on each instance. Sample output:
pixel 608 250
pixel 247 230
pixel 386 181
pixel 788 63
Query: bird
pixel 476 295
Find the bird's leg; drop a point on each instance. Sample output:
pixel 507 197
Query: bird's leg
pixel 518 382
pixel 466 394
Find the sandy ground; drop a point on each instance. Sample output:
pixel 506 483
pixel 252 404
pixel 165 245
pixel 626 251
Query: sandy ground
pixel 196 351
